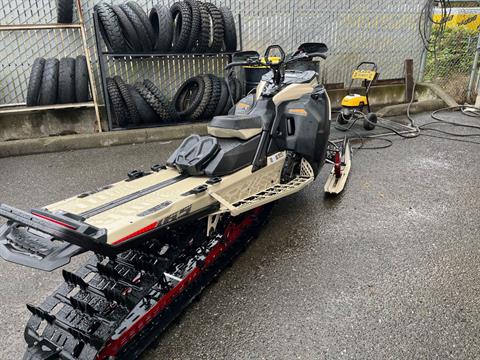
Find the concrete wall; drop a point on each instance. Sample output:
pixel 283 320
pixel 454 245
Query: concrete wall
pixel 48 123
pixel 81 121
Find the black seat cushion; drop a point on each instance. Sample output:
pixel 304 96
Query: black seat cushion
pixel 236 122
pixel 193 154
pixel 234 155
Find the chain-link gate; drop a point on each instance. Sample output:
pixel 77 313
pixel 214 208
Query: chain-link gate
pixel 384 31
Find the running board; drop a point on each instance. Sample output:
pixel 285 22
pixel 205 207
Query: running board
pixel 269 195
pixel 335 184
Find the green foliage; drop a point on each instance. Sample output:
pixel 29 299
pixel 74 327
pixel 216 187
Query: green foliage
pixel 454 52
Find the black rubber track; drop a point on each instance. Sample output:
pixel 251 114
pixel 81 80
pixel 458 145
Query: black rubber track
pixel 81 79
pixel 196 24
pixel 222 102
pixel 205 29
pixel 183 26
pixel 162 24
pixel 169 113
pixel 35 82
pixel 217 29
pixel 230 36
pixel 118 105
pixel 214 98
pixel 110 28
pixel 49 87
pixel 129 32
pixel 144 19
pixel 207 93
pixel 66 81
pixel 189 96
pixel 147 114
pixel 65 11
pixel 134 116
pixel 159 324
pixel 145 42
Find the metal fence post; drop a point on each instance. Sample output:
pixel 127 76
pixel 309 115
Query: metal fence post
pixel 474 70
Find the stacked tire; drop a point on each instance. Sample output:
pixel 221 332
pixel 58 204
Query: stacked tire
pixel 186 27
pixel 54 81
pixel 199 98
pixel 205 96
pixel 139 104
pixel 65 11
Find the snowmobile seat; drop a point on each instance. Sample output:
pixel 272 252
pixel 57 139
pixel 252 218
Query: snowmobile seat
pixel 243 127
pixel 193 154
pixel 209 156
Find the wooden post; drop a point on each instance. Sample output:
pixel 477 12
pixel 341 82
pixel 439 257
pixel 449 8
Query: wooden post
pixel 409 81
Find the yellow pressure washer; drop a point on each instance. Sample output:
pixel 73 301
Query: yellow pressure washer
pixel 353 105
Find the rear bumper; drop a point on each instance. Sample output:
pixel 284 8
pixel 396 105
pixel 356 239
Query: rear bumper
pixel 44 240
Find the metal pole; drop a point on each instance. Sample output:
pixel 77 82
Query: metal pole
pixel 474 70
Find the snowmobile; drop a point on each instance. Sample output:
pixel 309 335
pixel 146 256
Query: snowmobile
pixel 159 237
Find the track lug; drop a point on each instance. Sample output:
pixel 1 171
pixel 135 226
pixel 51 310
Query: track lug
pixel 44 315
pixel 108 271
pixel 74 279
pixel 95 341
pixel 117 296
pixel 83 306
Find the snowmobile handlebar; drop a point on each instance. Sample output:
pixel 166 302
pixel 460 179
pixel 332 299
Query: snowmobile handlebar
pixel 306 51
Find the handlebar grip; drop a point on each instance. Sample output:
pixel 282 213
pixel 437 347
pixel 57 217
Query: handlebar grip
pixel 233 64
pixel 323 56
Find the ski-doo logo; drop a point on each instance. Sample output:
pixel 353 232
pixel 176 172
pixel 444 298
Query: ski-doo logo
pixel 176 216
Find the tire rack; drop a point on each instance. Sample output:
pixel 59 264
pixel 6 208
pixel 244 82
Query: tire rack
pixel 21 107
pixel 104 56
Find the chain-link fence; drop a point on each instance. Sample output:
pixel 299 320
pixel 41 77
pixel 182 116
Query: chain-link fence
pixel 450 61
pixel 384 31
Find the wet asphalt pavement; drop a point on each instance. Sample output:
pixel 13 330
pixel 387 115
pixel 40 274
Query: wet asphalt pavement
pixel 388 270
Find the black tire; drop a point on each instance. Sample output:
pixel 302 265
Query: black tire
pixel 118 105
pixel 65 11
pixel 151 100
pixel 130 34
pixel 197 114
pixel 147 114
pixel 218 31
pixel 214 98
pixel 205 29
pixel 182 18
pixel 196 25
pixel 35 82
pixel 145 42
pixel 110 28
pixel 82 83
pixel 162 24
pixel 146 22
pixel 230 36
pixel 194 88
pixel 168 110
pixel 49 87
pixel 370 121
pixel 127 99
pixel 66 81
pixel 222 102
